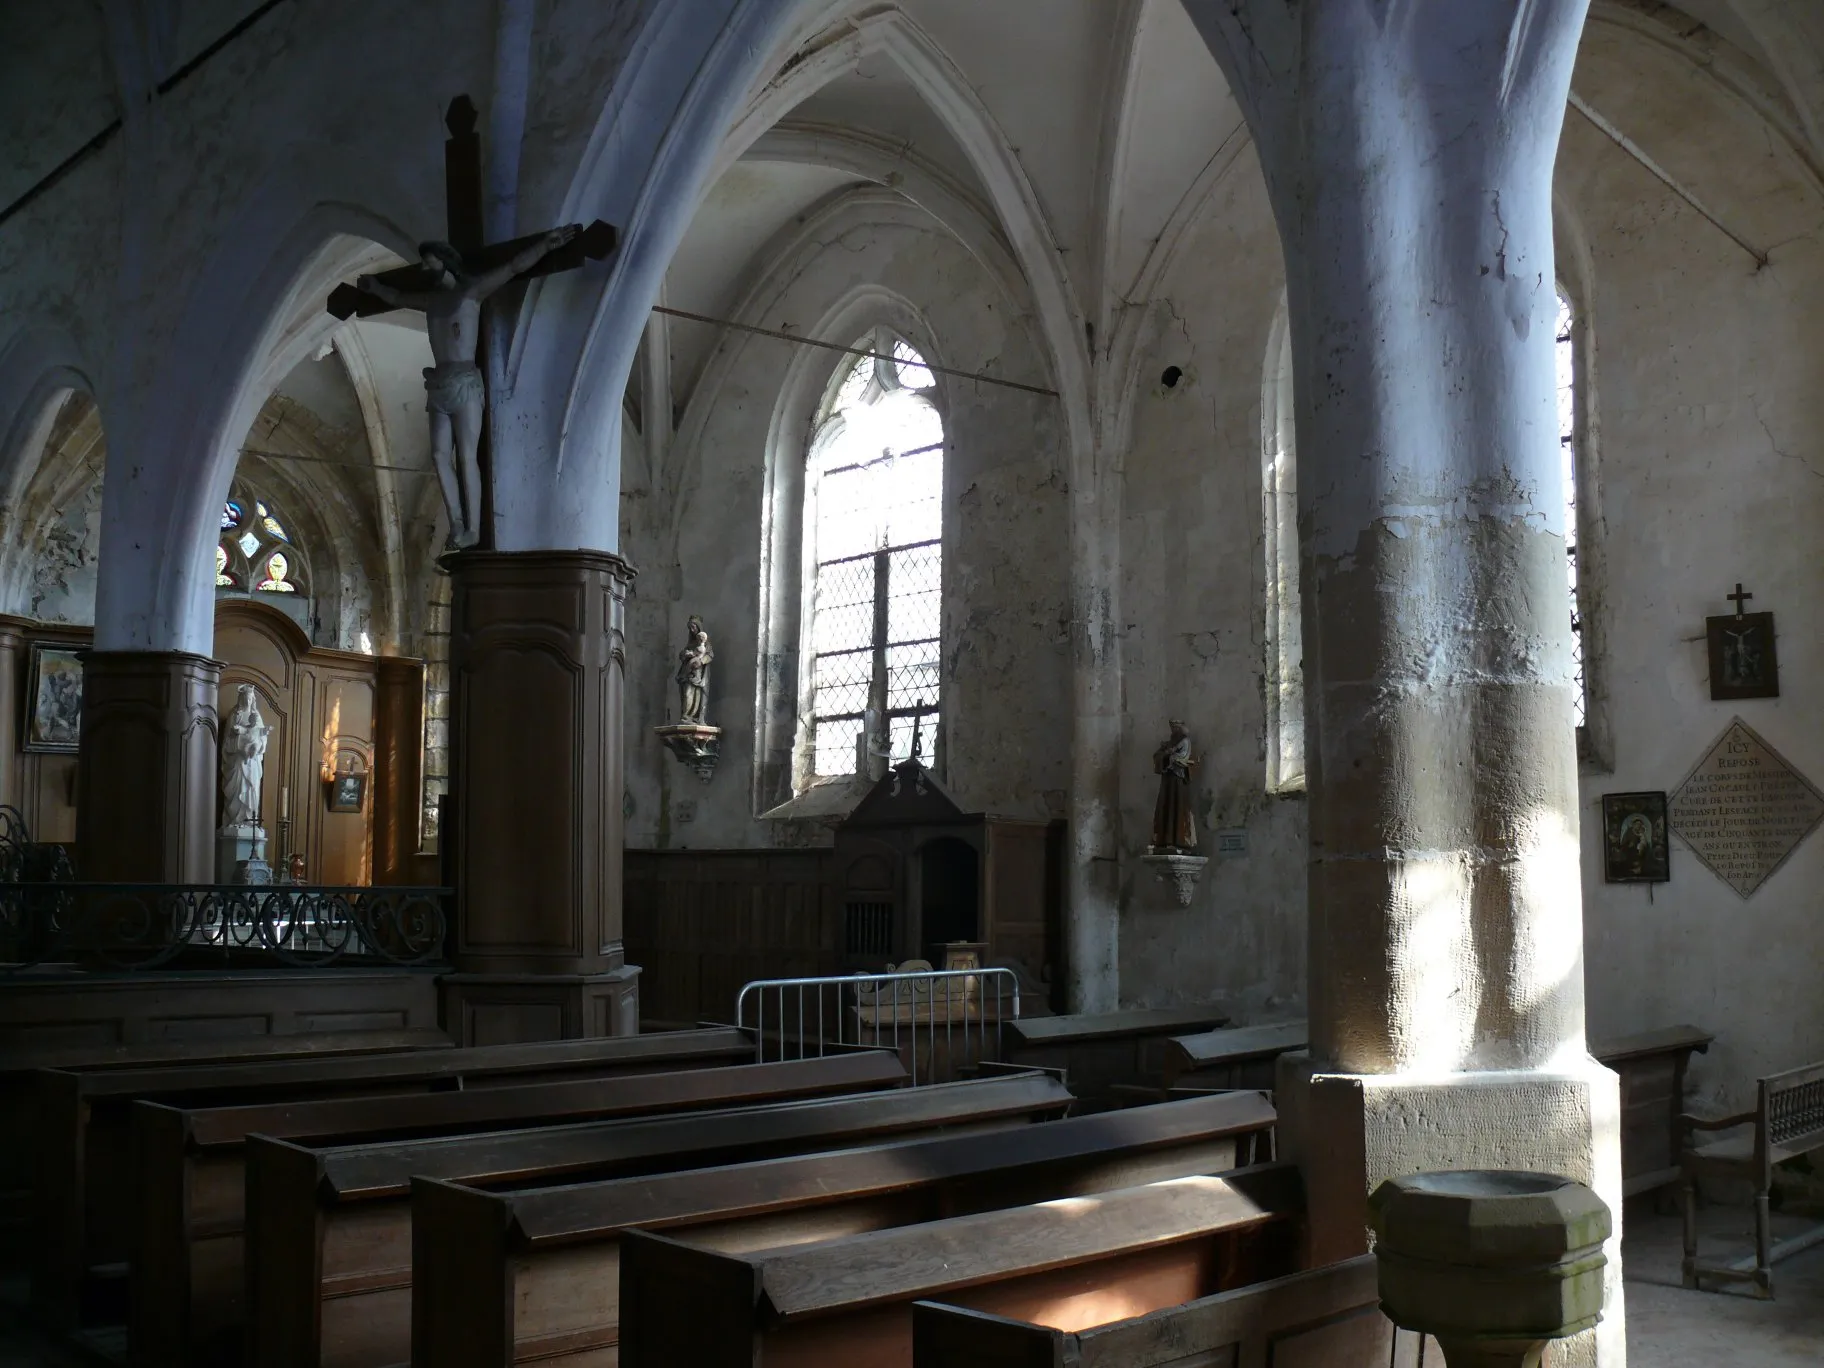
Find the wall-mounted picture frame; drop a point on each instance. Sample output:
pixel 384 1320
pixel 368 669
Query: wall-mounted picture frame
pixel 347 792
pixel 1635 845
pixel 53 699
pixel 1743 663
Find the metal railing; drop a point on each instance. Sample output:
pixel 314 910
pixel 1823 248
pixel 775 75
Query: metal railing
pixel 939 1021
pixel 151 926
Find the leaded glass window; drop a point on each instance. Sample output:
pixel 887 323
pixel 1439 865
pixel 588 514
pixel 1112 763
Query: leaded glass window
pixel 256 551
pixel 1566 357
pixel 876 519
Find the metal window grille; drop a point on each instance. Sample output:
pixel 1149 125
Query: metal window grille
pixel 1566 358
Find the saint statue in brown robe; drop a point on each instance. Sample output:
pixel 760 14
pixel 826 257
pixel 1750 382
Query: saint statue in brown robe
pixel 1173 830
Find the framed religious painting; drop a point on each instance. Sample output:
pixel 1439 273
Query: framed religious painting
pixel 347 792
pixel 1635 845
pixel 1742 661
pixel 53 699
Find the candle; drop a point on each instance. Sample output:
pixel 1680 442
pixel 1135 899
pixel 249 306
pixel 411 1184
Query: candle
pixel 285 804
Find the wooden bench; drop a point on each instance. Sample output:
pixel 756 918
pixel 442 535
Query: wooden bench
pixel 329 1230
pixel 1652 1067
pixel 1101 1049
pixel 1325 1318
pixel 1787 1121
pixel 19 1064
pixel 849 1300
pixel 188 1270
pixel 1239 1057
pixel 83 1177
pixel 534 1276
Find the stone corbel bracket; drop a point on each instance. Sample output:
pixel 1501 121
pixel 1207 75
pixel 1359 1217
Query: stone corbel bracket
pixel 696 747
pixel 1177 869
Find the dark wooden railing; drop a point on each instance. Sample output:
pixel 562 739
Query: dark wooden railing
pixel 48 916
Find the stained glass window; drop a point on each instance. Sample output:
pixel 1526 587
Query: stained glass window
pixel 278 570
pixel 876 485
pixel 256 551
pixel 1566 356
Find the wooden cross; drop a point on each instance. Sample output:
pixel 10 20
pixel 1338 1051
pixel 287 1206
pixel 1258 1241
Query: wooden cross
pixel 1738 598
pixel 462 207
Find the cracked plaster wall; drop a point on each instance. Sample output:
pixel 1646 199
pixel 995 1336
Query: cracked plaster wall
pixel 1007 725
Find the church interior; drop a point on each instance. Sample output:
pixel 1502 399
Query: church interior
pixel 924 682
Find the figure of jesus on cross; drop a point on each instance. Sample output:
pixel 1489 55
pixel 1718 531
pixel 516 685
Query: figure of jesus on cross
pixel 454 392
pixel 449 285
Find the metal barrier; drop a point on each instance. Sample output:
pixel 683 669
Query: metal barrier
pixel 924 1016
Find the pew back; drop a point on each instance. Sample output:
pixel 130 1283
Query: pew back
pixel 535 1275
pixel 329 1230
pixel 84 1171
pixel 848 1300
pixel 187 1288
pixel 1324 1318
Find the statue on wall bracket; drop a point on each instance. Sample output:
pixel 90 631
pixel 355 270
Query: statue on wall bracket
pixel 1173 852
pixel 691 738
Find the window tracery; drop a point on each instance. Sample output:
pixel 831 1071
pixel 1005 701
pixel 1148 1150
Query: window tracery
pixel 255 552
pixel 874 517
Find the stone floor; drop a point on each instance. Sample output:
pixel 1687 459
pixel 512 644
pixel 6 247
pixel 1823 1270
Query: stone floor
pixel 1668 1327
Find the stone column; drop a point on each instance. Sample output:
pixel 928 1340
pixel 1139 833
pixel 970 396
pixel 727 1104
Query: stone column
pixel 1408 154
pixel 537 665
pixel 146 773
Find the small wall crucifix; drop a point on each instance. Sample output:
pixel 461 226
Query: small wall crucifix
pixel 1742 659
pixel 450 285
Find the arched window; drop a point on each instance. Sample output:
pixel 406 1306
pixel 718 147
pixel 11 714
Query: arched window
pixel 1570 460
pixel 1285 638
pixel 256 553
pixel 874 544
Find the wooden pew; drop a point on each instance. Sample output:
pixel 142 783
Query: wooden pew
pixel 329 1230
pixel 1652 1067
pixel 19 1064
pixel 188 1274
pixel 1098 1050
pixel 83 1175
pixel 849 1300
pixel 1325 1318
pixel 535 1276
pixel 1239 1057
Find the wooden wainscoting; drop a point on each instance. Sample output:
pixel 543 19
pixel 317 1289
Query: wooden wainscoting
pixel 700 923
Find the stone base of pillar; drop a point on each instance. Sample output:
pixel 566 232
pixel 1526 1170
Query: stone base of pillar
pixel 146 773
pixel 1350 1132
pixel 514 1009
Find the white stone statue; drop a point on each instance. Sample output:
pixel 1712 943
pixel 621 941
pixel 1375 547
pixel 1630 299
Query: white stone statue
pixel 693 675
pixel 243 749
pixel 455 393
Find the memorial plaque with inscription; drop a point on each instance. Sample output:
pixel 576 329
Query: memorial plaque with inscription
pixel 1743 810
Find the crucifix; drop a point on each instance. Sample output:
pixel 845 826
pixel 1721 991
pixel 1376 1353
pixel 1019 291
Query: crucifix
pixel 1738 598
pixel 1743 663
pixel 449 285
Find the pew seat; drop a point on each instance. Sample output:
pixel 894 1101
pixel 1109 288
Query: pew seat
pixel 1325 1318
pixel 188 1266
pixel 1069 1261
pixel 19 1112
pixel 1238 1057
pixel 534 1276
pixel 1098 1050
pixel 330 1266
pixel 83 1181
